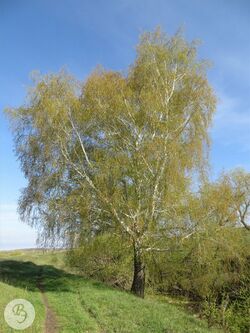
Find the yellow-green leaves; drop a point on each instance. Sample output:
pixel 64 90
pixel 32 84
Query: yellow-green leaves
pixel 127 143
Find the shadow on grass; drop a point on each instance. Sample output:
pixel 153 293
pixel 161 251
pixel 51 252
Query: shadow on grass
pixel 28 275
pixel 32 277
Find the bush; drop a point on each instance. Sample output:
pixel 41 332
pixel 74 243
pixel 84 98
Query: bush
pixel 212 271
pixel 104 258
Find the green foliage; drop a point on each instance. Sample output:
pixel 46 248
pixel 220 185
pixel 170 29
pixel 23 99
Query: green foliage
pixel 213 272
pixel 229 312
pixel 237 315
pixel 104 258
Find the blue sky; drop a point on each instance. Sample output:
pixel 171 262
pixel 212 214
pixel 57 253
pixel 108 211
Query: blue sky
pixel 47 35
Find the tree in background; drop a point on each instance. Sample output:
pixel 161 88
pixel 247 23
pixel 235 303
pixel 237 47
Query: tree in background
pixel 117 153
pixel 239 181
pixel 212 267
pixel 226 201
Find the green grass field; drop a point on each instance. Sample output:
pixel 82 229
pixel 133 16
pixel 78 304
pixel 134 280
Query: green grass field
pixel 81 305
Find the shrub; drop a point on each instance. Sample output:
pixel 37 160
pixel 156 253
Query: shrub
pixel 104 258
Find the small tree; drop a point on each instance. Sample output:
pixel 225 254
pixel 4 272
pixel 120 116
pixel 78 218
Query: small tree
pixel 239 181
pixel 117 153
pixel 227 201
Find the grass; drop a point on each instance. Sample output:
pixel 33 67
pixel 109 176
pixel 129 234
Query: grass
pixel 84 306
pixel 13 286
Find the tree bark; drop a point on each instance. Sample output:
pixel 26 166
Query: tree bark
pixel 138 285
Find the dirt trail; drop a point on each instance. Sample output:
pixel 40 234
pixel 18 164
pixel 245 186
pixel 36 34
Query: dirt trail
pixel 50 319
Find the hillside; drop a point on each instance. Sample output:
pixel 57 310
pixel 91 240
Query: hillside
pixel 68 303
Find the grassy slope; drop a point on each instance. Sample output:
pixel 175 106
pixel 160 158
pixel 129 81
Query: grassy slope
pixel 82 305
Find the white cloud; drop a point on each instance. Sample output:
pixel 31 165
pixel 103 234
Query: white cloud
pixel 13 233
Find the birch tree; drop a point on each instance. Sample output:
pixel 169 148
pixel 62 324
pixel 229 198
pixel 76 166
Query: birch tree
pixel 227 201
pixel 117 153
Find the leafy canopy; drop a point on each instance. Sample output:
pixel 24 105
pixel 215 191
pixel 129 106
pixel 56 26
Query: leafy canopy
pixel 118 151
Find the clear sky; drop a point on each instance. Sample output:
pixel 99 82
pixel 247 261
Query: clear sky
pixel 47 35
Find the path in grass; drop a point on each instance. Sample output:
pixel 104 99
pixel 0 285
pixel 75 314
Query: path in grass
pixel 29 277
pixel 51 325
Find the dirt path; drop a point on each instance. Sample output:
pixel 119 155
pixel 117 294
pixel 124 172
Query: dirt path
pixel 50 319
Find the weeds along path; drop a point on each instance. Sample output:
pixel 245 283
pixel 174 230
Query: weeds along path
pixel 50 319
